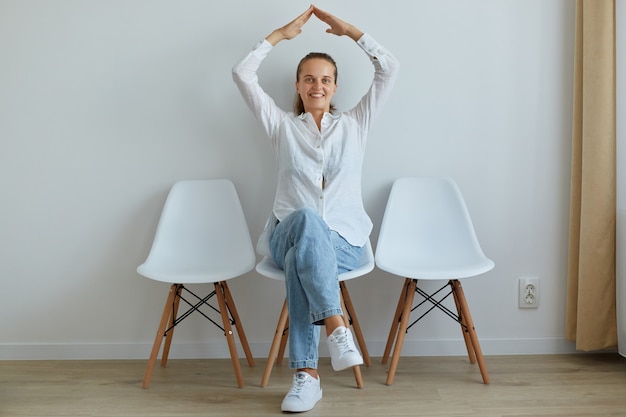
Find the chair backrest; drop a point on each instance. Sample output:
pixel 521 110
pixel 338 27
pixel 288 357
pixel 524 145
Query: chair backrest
pixel 427 233
pixel 268 268
pixel 202 235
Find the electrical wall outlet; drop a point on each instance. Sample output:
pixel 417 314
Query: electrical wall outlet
pixel 528 294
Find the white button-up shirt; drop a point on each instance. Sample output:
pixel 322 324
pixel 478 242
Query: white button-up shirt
pixel 307 156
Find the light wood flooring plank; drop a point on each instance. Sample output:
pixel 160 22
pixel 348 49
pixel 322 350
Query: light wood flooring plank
pixel 538 385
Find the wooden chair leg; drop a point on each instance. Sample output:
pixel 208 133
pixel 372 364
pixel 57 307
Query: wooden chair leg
pixel 393 331
pixel 170 334
pixel 468 342
pixel 228 332
pixel 469 323
pixel 167 311
pixel 283 344
pixel 406 311
pixel 356 369
pixel 230 303
pixel 278 335
pixel 358 333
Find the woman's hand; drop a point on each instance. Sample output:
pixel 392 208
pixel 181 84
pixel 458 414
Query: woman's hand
pixel 337 26
pixel 291 29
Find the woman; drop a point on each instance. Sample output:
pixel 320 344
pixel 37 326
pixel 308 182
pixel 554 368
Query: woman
pixel 318 225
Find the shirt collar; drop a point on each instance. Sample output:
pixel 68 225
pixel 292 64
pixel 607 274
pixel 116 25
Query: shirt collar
pixel 335 116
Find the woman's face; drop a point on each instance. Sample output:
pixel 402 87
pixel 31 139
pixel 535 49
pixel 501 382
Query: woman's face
pixel 316 84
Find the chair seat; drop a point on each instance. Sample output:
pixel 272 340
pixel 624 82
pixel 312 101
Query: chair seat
pixel 268 268
pixel 196 274
pixel 429 269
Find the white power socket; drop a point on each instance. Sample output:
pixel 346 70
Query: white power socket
pixel 528 294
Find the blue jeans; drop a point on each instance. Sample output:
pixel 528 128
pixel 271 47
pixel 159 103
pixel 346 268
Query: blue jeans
pixel 312 257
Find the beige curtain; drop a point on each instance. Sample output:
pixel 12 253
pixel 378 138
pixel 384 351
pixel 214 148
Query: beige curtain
pixel 591 309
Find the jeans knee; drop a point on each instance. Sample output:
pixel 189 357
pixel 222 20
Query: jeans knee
pixel 307 217
pixel 303 229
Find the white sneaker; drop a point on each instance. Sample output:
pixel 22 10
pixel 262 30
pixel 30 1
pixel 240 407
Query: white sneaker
pixel 305 392
pixel 343 351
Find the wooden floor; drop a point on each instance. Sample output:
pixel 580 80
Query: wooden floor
pixel 550 385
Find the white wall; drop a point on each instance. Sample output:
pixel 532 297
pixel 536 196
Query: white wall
pixel 105 104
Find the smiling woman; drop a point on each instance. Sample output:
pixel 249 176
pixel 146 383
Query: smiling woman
pixel 318 226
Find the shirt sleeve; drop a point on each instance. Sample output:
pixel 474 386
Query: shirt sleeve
pixel 386 68
pixel 245 76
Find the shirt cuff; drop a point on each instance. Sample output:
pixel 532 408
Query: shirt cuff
pixel 369 45
pixel 261 49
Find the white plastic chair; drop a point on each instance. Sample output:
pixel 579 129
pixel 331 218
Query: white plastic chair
pixel 268 268
pixel 202 237
pixel 427 234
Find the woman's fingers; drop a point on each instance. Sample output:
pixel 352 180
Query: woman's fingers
pixel 337 26
pixel 303 18
pixel 295 26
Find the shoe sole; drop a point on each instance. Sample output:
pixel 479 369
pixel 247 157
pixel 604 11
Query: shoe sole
pixel 342 364
pixel 302 410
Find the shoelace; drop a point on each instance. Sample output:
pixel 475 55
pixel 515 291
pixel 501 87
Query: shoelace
pixel 299 384
pixel 342 343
